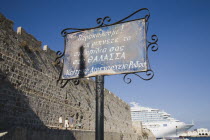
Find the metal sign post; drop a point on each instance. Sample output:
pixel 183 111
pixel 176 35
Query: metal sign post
pixel 108 49
pixel 99 123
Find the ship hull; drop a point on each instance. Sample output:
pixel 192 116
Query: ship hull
pixel 167 130
pixel 160 123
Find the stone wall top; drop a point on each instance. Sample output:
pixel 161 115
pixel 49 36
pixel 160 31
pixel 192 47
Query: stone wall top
pixel 28 39
pixel 5 23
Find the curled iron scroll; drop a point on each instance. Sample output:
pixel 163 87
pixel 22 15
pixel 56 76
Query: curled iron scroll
pixel 142 9
pixel 64 32
pixel 63 82
pixel 153 44
pixel 148 75
pixel 59 57
pixel 101 21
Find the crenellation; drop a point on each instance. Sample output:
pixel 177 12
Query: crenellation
pixel 27 40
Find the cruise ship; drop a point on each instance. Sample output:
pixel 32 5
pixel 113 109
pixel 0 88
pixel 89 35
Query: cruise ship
pixel 160 123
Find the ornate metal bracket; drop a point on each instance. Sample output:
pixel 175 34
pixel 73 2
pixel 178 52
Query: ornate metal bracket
pixel 148 75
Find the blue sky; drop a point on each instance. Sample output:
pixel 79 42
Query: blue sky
pixel 181 85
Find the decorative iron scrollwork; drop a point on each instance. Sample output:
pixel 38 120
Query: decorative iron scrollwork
pixel 59 57
pixel 76 81
pixel 153 44
pixel 64 32
pixel 148 75
pixel 63 82
pixel 101 21
pixel 146 17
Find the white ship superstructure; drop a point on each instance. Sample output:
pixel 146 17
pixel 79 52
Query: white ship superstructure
pixel 160 123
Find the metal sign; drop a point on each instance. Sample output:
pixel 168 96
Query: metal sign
pixel 109 50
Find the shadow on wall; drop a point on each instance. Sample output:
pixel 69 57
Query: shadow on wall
pixel 16 113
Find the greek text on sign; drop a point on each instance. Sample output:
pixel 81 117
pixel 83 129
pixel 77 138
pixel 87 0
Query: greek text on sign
pixel 109 50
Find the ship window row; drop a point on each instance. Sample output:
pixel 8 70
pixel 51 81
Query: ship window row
pixel 146 120
pixel 147 116
pixel 144 113
pixel 149 119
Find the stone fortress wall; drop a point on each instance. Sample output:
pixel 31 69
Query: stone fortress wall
pixel 30 97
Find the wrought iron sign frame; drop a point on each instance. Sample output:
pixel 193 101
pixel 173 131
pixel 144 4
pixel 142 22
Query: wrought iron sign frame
pixel 149 74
